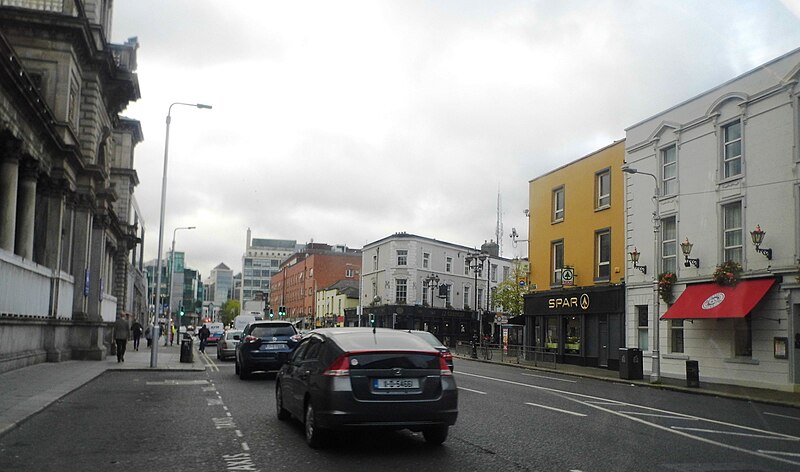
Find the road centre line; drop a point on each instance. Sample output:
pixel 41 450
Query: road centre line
pixel 734 433
pixel 781 453
pixel 655 415
pixel 588 401
pixel 550 378
pixel 470 390
pixel 555 409
pixel 782 416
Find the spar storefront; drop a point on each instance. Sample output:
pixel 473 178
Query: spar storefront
pixel 582 325
pixel 741 334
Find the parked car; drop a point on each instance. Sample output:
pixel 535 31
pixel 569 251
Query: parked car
pixel 356 378
pixel 431 339
pixel 226 347
pixel 265 346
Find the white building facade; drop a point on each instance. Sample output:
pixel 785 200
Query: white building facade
pixel 724 162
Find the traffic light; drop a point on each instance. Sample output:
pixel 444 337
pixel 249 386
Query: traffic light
pixel 181 311
pixel 372 319
pixel 271 314
pixel 281 311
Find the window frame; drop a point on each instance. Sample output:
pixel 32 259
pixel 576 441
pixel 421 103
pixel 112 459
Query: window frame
pixel 557 214
pixel 673 180
pixel 743 337
pixel 598 254
pixel 677 337
pixel 448 264
pixel 671 259
pixel 738 249
pixel 599 196
pixel 426 260
pixel 466 292
pixel 401 285
pixel 555 271
pixel 643 327
pixel 402 257
pixel 725 142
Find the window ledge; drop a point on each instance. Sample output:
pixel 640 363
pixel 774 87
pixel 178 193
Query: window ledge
pixel 730 179
pixel 680 357
pixel 602 207
pixel 560 220
pixel 741 360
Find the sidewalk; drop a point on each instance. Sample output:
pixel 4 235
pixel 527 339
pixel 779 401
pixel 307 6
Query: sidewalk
pixel 772 397
pixel 27 391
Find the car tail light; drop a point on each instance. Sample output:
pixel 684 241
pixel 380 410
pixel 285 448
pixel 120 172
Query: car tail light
pixel 250 339
pixel 340 367
pixel 447 355
pixel 445 369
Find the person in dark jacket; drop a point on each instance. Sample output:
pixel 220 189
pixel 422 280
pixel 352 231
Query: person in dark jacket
pixel 122 332
pixel 136 329
pixel 203 335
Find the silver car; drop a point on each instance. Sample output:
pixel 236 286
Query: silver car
pixel 226 347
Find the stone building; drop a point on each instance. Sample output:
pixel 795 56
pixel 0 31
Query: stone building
pixel 68 225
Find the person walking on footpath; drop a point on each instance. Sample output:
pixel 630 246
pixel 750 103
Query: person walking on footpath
pixel 148 334
pixel 203 335
pixel 122 331
pixel 136 329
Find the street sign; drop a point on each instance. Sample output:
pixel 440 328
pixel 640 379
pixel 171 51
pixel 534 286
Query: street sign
pixel 567 276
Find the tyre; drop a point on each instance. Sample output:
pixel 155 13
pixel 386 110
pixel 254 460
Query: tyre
pixel 283 414
pixel 435 436
pixel 236 367
pixel 244 372
pixel 315 436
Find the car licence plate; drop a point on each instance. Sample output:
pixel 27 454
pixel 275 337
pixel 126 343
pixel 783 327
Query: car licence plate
pixel 272 347
pixel 386 384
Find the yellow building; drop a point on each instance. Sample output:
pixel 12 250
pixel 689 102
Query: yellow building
pixel 577 256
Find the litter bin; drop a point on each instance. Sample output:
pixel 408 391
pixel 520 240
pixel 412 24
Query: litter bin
pixel 692 374
pixel 186 350
pixel 630 363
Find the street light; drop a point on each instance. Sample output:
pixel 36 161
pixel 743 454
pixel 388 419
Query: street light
pixel 160 308
pixel 655 374
pixel 171 272
pixel 475 264
pixel 431 281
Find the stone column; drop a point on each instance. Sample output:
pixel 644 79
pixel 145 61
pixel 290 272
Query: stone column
pixel 54 227
pixel 98 269
pixel 9 176
pixel 26 210
pixel 81 259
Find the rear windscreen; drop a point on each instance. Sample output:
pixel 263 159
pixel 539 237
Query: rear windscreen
pixel 268 331
pixel 389 360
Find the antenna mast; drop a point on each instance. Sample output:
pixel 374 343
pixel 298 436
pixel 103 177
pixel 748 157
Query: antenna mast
pixel 499 228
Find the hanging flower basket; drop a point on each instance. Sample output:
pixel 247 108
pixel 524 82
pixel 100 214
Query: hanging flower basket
pixel 727 273
pixel 665 282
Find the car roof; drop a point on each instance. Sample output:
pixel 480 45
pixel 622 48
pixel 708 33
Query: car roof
pixel 369 339
pixel 270 323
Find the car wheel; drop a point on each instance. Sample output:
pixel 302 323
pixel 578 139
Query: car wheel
pixel 244 372
pixel 315 436
pixel 219 358
pixel 283 414
pixel 236 367
pixel 436 435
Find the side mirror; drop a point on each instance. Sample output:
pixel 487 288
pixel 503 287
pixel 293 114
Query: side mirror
pixel 236 337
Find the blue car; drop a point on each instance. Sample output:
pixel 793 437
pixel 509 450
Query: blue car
pixel 265 346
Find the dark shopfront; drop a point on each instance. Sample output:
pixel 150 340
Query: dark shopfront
pixel 581 325
pixel 449 325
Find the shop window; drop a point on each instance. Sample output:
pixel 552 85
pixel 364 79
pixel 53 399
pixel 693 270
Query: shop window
pixel 572 334
pixel 551 334
pixel 743 337
pixel 642 327
pixel 676 336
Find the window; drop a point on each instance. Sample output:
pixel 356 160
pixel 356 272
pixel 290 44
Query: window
pixel 480 299
pixel 493 272
pixel 643 331
pixel 401 291
pixel 466 297
pixel 603 184
pixel 676 336
pixel 558 204
pixel 743 337
pixel 348 273
pixel 402 257
pixel 732 232
pixel 448 299
pixel 425 295
pixel 669 170
pixel 426 260
pixel 732 149
pixel 449 265
pixel 603 251
pixel 669 245
pixel 557 252
pixel 506 273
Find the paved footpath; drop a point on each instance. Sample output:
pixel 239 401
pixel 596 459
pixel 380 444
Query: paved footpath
pixel 27 391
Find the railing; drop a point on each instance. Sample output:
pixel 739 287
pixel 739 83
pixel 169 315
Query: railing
pixel 513 354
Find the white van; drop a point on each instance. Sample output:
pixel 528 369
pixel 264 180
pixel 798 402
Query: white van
pixel 242 320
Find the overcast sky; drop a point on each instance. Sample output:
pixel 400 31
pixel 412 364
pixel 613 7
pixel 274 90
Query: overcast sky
pixel 346 121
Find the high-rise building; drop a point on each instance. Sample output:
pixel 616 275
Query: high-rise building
pixel 262 260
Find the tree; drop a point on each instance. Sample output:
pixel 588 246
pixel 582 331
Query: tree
pixel 510 292
pixel 229 311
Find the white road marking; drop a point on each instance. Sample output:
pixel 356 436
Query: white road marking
pixel 179 382
pixel 592 402
pixel 214 401
pixel 781 453
pixel 550 378
pixel 734 433
pixel 473 391
pixel 654 415
pixel 782 416
pixel 555 409
pixel 239 433
pixel 245 447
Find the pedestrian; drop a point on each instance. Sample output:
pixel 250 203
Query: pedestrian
pixel 122 331
pixel 148 334
pixel 136 329
pixel 203 335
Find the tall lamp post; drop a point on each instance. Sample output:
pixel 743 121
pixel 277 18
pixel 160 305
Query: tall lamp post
pixel 431 282
pixel 171 272
pixel 160 308
pixel 655 374
pixel 475 263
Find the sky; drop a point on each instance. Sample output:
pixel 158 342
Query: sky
pixel 344 122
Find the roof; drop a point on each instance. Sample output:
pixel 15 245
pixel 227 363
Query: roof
pixel 371 339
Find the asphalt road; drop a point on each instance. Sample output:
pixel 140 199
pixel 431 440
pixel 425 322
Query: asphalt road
pixel 509 419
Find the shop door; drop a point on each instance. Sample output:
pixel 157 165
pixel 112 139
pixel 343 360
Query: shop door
pixel 602 360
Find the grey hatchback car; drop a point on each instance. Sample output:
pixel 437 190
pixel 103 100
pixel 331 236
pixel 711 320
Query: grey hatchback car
pixel 356 378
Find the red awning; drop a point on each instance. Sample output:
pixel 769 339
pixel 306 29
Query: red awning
pixel 716 301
